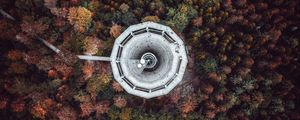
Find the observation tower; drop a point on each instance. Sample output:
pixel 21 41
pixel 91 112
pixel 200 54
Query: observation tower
pixel 148 59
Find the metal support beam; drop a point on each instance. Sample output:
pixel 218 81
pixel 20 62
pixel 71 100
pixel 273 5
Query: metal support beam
pixel 5 14
pixel 93 58
pixel 82 57
pixel 49 45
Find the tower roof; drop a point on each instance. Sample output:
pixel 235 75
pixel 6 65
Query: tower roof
pixel 148 59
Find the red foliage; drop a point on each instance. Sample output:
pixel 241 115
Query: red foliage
pixel 210 105
pixel 66 57
pixel 102 107
pixel 64 93
pixel 33 29
pixel 273 65
pixel 64 70
pixel 32 57
pixel 245 98
pixel 117 87
pixel 214 76
pixel 67 113
pixel 262 6
pixel 102 68
pixel 207 88
pixel 60 22
pixel 210 114
pixel 86 109
pixel 60 12
pixel 227 69
pixel 275 34
pixel 175 96
pixel 255 17
pixel 248 62
pixel 18 105
pixel 197 21
pixel 234 19
pixel 18 68
pixel 244 71
pixel 219 97
pixel 21 37
pixel 3 102
pixel 228 3
pixel 74 2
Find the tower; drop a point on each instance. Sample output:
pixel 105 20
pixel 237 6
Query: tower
pixel 148 59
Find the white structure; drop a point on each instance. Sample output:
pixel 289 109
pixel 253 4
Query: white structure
pixel 148 59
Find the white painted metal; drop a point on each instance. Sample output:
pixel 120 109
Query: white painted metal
pixel 49 45
pixel 5 14
pixel 148 37
pixel 93 58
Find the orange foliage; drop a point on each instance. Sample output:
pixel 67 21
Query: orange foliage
pixel 88 70
pixel 38 111
pixel 52 73
pixel 124 7
pixel 126 114
pixel 151 18
pixel 188 105
pixel 214 76
pixel 207 88
pixel 115 30
pixel 120 101
pixel 80 17
pixel 91 45
pixel 15 55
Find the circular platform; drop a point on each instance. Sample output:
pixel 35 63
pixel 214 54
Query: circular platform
pixel 148 59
